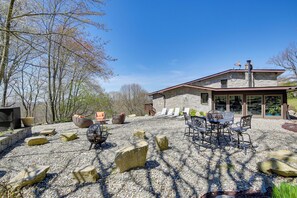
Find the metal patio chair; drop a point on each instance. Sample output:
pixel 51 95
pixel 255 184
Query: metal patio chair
pixel 243 128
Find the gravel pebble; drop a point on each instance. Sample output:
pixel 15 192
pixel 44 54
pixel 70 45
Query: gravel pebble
pixel 187 169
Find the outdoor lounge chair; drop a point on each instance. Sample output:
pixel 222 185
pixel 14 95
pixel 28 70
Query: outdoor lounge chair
pixel 242 128
pixel 175 113
pixel 100 117
pixel 162 113
pixel 170 112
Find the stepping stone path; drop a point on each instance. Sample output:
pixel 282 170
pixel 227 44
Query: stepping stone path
pixel 47 132
pixel 37 140
pixel 65 137
pixel 139 134
pixel 161 142
pixel 85 174
pixel 28 176
pixel 131 156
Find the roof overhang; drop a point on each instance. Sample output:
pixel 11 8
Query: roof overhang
pixel 181 86
pixel 272 88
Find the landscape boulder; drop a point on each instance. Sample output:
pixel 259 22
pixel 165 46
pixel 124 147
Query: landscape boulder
pixel 37 140
pixel 131 156
pixel 65 137
pixel 278 167
pixel 161 142
pixel 81 122
pixel 139 134
pixel 47 132
pixel 28 176
pixel 119 118
pixel 85 174
pixel 285 155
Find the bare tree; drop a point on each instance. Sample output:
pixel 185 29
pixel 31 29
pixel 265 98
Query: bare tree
pixel 287 60
pixel 68 57
pixel 131 99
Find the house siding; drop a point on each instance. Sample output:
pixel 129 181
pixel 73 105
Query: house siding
pixel 264 79
pixel 182 97
pixel 240 80
pixel 233 80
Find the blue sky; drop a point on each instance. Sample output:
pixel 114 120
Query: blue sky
pixel 160 43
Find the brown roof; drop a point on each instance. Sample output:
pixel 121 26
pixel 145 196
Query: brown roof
pixel 278 71
pixel 187 84
pixel 257 88
pixel 228 89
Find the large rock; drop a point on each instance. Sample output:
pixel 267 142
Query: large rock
pixel 139 134
pixel 37 140
pixel 161 142
pixel 278 167
pixel 85 174
pixel 68 136
pixel 28 176
pixel 284 155
pixel 131 156
pixel 47 132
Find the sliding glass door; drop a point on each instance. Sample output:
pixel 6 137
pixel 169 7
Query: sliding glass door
pixel 254 105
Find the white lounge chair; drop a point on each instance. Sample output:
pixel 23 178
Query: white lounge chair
pixel 187 111
pixel 176 113
pixel 170 112
pixel 162 113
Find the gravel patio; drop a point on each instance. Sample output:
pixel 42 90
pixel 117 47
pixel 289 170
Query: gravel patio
pixel 185 170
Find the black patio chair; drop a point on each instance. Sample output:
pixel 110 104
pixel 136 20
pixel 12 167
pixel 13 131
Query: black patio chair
pixel 96 135
pixel 242 128
pixel 200 126
pixel 188 124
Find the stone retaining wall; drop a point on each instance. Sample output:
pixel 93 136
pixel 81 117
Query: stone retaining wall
pixel 12 138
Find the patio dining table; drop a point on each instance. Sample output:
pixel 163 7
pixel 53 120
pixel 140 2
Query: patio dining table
pixel 219 125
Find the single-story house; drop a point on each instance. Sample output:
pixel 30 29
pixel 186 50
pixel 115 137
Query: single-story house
pixel 242 91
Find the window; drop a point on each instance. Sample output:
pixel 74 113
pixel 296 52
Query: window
pixel 235 103
pixel 224 83
pixel 254 105
pixel 220 103
pixel 204 98
pixel 273 105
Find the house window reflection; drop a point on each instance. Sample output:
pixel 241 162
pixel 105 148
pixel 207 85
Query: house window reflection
pixel 220 103
pixel 254 105
pixel 235 103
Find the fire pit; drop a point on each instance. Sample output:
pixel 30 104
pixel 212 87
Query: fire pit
pixel 96 135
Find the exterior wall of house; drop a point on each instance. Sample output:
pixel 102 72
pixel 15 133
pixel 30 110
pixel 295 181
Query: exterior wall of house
pixel 264 79
pixel 182 97
pixel 233 80
pixel 240 80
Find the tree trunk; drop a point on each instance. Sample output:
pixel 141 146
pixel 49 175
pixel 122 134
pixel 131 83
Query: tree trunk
pixel 5 52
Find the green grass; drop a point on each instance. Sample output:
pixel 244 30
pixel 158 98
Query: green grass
pixel 284 190
pixel 292 102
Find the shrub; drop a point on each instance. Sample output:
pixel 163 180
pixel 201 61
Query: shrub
pixel 202 113
pixel 193 112
pixel 284 190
